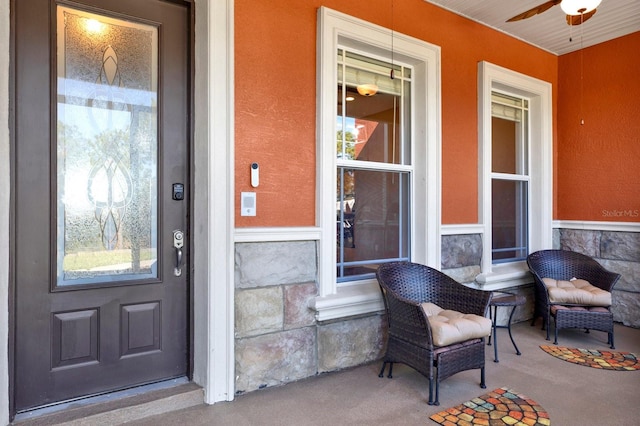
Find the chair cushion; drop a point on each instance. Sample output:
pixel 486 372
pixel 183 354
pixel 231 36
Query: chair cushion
pixel 577 292
pixel 449 327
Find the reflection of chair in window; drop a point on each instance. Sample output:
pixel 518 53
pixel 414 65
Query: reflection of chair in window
pixel 349 230
pixel 346 230
pixel 436 325
pixel 574 290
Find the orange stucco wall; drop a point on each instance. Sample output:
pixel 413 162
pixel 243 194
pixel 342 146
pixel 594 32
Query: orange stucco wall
pixel 275 78
pixel 598 173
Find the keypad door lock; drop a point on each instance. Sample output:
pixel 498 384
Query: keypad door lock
pixel 177 192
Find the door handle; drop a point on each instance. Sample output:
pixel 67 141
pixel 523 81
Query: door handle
pixel 178 243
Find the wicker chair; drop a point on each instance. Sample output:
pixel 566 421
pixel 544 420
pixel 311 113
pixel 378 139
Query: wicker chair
pixel 567 265
pixel 405 286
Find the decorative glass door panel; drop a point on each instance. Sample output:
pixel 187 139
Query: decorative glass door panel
pixel 107 149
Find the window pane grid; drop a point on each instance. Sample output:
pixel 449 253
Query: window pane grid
pixel 358 69
pixel 509 220
pixel 373 264
pixel 507 100
pixel 507 176
pixel 372 221
pixel 371 128
pixel 510 179
pixel 521 254
pixel 373 166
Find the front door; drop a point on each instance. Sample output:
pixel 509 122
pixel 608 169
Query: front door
pixel 101 197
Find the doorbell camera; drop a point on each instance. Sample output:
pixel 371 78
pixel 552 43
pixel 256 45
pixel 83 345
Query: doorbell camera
pixel 255 175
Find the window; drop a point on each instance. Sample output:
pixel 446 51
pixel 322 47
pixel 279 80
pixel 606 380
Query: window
pixel 509 177
pixel 515 165
pixel 373 159
pixel 378 168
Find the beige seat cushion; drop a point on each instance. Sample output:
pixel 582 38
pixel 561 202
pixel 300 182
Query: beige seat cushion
pixel 448 327
pixel 577 292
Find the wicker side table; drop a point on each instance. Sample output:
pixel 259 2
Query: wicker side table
pixel 509 300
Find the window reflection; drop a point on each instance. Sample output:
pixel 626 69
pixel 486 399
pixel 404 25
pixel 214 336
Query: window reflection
pixel 372 220
pixel 372 152
pixel 509 166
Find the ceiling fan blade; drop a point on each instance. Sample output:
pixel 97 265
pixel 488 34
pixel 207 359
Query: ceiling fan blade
pixel 535 11
pixel 579 19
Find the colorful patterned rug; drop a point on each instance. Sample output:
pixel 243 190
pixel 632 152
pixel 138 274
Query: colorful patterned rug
pixel 605 360
pixel 499 407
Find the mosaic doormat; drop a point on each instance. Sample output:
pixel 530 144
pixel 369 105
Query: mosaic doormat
pixel 501 406
pixel 605 360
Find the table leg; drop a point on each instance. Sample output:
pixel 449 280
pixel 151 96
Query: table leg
pixel 509 328
pixel 494 319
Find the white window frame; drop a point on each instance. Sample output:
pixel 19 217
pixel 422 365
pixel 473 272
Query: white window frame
pixel 495 78
pixel 337 30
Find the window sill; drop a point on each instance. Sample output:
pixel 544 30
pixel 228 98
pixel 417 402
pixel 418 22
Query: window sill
pixel 349 300
pixel 504 276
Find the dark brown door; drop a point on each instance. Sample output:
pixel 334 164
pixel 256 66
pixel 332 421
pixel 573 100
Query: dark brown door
pixel 101 140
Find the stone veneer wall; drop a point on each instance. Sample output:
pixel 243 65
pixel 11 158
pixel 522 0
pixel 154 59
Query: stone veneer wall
pixel 277 337
pixel 461 256
pixel 617 251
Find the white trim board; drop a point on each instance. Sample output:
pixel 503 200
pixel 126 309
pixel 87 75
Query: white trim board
pixel 597 226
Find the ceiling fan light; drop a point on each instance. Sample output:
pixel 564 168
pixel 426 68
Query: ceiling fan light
pixel 578 7
pixel 367 89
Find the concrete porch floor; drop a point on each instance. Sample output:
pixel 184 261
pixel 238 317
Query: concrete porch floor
pixel 571 394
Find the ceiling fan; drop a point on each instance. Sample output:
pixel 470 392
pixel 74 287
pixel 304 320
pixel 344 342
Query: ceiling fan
pixel 578 11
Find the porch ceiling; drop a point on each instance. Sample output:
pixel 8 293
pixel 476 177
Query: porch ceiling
pixel 549 30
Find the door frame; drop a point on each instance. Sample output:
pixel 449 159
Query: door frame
pixel 214 206
pixel 212 349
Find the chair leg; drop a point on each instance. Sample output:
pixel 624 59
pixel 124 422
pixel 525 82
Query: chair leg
pixel 555 341
pixel 482 382
pixel 384 365
pixel 547 321
pixel 611 340
pixel 431 392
